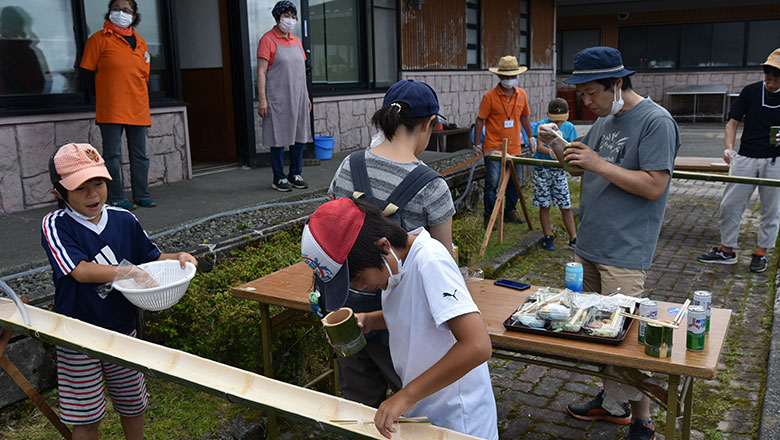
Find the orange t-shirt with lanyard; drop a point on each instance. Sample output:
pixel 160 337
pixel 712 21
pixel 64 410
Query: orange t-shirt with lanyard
pixel 121 77
pixel 502 119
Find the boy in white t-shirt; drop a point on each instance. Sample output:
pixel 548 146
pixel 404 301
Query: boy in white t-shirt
pixel 438 340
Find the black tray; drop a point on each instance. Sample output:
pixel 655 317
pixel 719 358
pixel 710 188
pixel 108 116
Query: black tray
pixel 578 336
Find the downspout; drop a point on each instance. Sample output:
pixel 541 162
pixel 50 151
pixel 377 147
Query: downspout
pixel 554 49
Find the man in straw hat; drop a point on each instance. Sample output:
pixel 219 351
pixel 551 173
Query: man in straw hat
pixel 627 158
pixel 502 111
pixel 759 105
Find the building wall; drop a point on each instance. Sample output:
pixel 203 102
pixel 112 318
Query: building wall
pixel 542 16
pixel 434 37
pixel 348 118
pixel 655 84
pixel 27 143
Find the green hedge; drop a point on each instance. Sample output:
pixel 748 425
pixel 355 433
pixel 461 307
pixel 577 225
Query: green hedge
pixel 211 323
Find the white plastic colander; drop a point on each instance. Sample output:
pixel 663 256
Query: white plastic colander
pixel 172 279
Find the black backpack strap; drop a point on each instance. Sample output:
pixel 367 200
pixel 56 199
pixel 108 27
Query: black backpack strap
pixel 408 188
pixel 357 169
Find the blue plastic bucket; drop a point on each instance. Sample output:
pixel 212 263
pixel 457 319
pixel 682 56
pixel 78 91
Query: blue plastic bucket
pixel 323 147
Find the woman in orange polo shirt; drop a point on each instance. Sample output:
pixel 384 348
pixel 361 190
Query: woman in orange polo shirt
pixel 120 59
pixel 283 101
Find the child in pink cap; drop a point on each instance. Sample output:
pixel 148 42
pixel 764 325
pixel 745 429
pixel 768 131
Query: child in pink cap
pixel 85 241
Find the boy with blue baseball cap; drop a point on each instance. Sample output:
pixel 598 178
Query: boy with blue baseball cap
pixel 389 168
pixel 627 158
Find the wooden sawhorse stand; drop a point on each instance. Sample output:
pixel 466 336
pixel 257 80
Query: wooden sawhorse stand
pixel 498 208
pixel 27 387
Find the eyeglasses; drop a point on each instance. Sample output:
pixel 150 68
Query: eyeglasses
pixel 125 10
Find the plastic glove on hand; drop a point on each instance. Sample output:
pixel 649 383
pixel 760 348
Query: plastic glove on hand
pixel 547 134
pixel 729 155
pixel 129 271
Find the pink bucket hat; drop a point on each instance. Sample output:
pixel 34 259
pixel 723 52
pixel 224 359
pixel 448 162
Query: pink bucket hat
pixel 74 164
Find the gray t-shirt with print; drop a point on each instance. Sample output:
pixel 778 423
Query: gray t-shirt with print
pixel 618 228
pixel 430 207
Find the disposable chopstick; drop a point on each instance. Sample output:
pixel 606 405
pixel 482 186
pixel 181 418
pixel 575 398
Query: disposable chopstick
pixel 650 320
pixel 401 420
pixel 560 137
pixel 682 311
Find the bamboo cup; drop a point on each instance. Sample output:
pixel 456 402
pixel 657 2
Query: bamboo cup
pixel 344 335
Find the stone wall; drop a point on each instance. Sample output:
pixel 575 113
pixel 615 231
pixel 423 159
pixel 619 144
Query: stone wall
pixel 26 143
pixel 348 118
pixel 655 84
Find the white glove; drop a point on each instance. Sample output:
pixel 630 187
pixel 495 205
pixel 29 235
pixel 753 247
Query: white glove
pixel 532 144
pixel 729 154
pixel 777 138
pixel 477 148
pixel 547 135
pixel 134 274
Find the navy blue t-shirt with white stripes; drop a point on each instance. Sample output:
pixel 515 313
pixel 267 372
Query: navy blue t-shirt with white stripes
pixel 69 240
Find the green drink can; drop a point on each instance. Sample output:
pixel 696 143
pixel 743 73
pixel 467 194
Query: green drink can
pixel 658 340
pixel 773 130
pixel 697 323
pixel 704 299
pixel 648 309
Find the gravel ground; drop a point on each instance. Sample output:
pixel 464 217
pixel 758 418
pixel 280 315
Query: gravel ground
pixel 203 238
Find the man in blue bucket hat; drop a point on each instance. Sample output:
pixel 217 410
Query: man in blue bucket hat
pixel 627 158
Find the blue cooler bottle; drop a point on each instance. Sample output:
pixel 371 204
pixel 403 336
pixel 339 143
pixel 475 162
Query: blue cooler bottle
pixel 574 277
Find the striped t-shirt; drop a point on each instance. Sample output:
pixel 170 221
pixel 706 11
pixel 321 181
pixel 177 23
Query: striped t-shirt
pixel 429 207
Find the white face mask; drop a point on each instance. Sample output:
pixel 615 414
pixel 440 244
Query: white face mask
pixel 617 101
pixel 121 19
pixel 509 83
pixel 394 279
pixel 79 215
pixel 287 24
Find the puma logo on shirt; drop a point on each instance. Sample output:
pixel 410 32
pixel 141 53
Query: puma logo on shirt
pixel 446 294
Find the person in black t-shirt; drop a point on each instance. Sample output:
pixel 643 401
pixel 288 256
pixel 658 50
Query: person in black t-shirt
pixel 758 106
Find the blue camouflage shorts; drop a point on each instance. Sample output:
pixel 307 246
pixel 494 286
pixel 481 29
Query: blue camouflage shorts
pixel 551 188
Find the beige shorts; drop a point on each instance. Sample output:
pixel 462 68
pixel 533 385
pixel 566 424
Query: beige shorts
pixel 602 278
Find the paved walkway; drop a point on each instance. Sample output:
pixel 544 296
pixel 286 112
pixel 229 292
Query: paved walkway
pixel 532 399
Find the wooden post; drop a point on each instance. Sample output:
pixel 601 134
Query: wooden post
pixel 499 205
pixel 500 201
pixel 28 388
pixel 520 196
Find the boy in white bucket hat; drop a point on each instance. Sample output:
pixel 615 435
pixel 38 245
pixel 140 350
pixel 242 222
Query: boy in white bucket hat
pixel 85 240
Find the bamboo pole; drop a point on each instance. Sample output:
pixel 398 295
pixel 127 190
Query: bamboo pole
pixel 690 175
